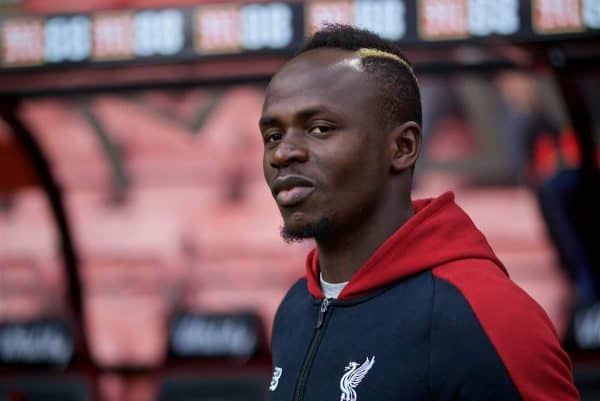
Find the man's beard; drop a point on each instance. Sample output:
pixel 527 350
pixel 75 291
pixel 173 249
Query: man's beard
pixel 318 230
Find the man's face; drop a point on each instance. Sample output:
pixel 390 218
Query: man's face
pixel 325 155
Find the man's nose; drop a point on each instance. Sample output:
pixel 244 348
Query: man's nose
pixel 288 151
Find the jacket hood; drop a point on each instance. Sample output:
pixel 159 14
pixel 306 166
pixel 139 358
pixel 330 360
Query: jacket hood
pixel 439 232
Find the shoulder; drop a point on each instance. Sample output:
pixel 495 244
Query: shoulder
pixel 296 297
pixel 297 291
pixel 499 305
pixel 491 294
pixel 514 326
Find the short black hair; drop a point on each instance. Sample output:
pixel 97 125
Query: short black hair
pixel 401 94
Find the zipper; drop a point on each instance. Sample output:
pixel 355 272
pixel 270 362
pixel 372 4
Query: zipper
pixel 310 355
pixel 322 312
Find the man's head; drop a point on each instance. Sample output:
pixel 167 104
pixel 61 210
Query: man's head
pixel 341 127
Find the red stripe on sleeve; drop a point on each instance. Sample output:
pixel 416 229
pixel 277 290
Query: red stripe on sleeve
pixel 517 327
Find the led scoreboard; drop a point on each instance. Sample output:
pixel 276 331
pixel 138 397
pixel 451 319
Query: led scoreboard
pixel 173 33
pixel 179 34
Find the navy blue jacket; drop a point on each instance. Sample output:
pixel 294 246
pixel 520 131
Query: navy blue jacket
pixel 432 315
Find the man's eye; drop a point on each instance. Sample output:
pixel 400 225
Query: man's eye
pixel 319 129
pixel 273 137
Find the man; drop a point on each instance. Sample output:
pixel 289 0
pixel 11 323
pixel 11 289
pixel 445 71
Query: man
pixel 401 300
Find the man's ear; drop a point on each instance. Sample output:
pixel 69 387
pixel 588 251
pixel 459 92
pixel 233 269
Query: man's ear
pixel 405 144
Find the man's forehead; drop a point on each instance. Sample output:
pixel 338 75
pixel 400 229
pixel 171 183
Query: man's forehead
pixel 327 72
pixel 317 63
pixel 322 56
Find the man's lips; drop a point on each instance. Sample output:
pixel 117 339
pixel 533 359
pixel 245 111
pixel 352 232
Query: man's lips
pixel 291 197
pixel 291 189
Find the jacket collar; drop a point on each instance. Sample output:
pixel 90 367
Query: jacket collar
pixel 439 232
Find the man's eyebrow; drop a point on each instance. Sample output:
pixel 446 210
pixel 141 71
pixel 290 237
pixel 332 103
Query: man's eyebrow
pixel 267 121
pixel 302 115
pixel 311 111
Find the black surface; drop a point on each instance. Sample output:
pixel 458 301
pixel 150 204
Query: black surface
pixel 217 389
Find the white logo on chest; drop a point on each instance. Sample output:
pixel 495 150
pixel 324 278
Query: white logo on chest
pixel 355 373
pixel 277 371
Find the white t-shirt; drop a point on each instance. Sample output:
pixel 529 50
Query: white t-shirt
pixel 331 290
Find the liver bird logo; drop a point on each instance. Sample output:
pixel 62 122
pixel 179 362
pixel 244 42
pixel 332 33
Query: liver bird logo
pixel 355 373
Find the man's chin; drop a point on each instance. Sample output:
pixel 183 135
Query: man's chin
pixel 317 230
pixel 293 235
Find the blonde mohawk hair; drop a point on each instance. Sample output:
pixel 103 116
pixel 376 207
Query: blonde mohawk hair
pixel 366 52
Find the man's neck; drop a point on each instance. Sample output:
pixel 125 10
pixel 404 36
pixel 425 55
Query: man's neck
pixel 341 255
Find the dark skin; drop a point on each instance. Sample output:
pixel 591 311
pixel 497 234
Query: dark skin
pixel 331 160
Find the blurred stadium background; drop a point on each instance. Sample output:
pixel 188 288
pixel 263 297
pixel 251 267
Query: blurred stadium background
pixel 140 256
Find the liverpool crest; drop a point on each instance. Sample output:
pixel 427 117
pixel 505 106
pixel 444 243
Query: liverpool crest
pixel 355 373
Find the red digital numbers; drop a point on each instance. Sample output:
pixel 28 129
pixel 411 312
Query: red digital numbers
pixel 113 36
pixel 557 16
pixel 218 29
pixel 23 42
pixel 318 13
pixel 443 19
